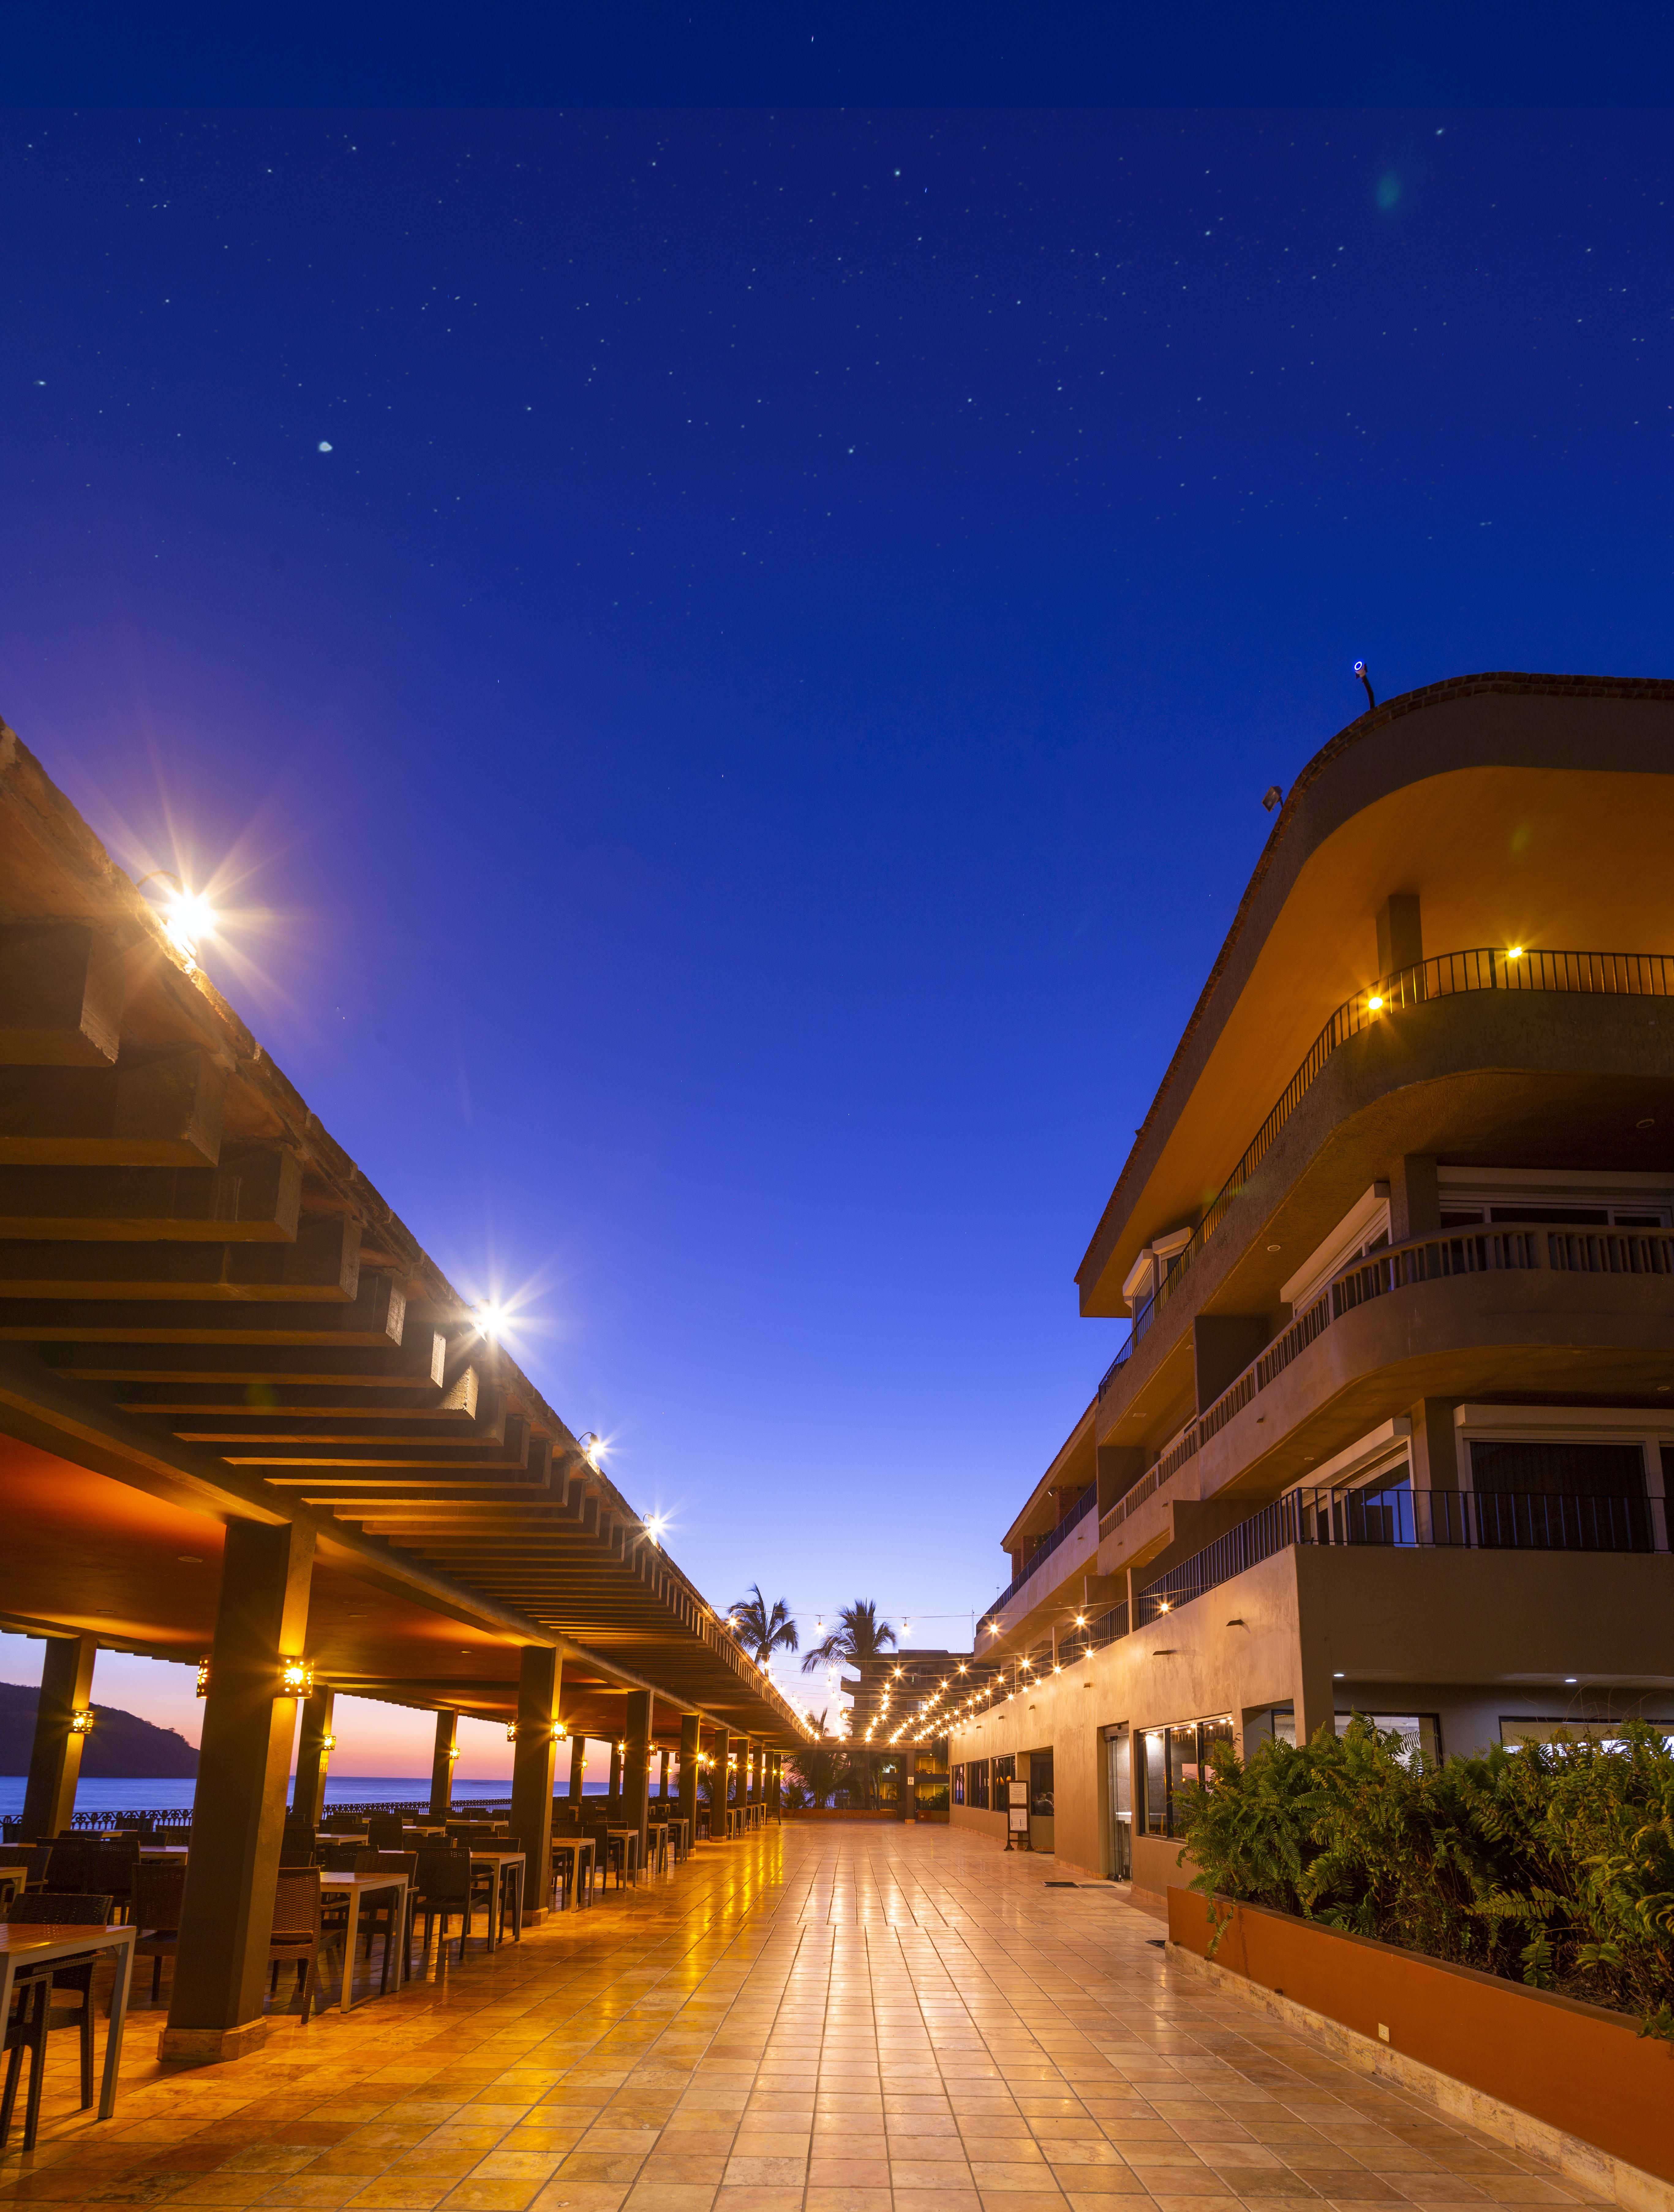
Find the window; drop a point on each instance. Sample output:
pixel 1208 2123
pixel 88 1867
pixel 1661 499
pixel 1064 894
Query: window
pixel 976 1784
pixel 1552 1467
pixel 1005 1770
pixel 1419 1732
pixel 1172 1760
pixel 1040 1785
pixel 1276 1725
pixel 958 1786
pixel 1552 1495
pixel 1519 1728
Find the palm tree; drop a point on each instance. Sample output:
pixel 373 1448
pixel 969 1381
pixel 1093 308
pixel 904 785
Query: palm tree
pixel 858 1640
pixel 762 1631
pixel 819 1766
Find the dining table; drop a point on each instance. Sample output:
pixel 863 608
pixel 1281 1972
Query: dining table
pixel 354 1887
pixel 14 1878
pixel 26 1945
pixel 571 1850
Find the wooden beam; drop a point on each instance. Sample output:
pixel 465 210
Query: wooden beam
pixel 61 987
pixel 416 1360
pixel 253 1199
pixel 374 1318
pixel 323 1262
pixel 160 1113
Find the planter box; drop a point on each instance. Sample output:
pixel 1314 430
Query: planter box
pixel 1575 2068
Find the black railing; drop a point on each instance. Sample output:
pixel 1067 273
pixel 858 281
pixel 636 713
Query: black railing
pixel 1048 1544
pixel 1450 975
pixel 1479 1520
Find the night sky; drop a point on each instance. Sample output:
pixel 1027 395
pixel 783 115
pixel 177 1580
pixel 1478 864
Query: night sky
pixel 725 665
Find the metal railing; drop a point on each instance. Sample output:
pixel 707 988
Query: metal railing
pixel 1450 975
pixel 1507 1247
pixel 1049 1543
pixel 1478 1520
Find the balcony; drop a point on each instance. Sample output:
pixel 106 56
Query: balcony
pixel 1043 1551
pixel 1483 970
pixel 1506 1249
pixel 1480 1520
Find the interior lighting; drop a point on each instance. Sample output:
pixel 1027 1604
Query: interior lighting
pixel 1163 1605
pixel 1514 952
pixel 81 1722
pixel 295 1678
pixel 1080 1620
pixel 1374 1004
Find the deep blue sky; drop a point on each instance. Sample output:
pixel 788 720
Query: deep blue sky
pixel 750 736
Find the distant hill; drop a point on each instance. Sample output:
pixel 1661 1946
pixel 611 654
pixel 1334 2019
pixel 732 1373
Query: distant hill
pixel 122 1748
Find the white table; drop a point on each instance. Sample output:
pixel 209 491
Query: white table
pixel 355 1887
pixel 26 1945
pixel 502 1863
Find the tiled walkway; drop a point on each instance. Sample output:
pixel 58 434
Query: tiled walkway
pixel 851 2019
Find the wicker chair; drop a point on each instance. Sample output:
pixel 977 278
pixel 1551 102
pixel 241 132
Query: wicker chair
pixel 159 1887
pixel 34 2015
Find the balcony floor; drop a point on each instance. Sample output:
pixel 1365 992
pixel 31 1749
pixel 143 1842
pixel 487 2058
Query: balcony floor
pixel 843 2019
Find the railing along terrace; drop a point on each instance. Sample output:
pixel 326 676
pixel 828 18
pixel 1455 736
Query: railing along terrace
pixel 1450 975
pixel 180 1816
pixel 1507 1247
pixel 1043 1549
pixel 1479 1520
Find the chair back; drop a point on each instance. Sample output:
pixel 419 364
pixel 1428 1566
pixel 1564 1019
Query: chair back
pixel 296 1905
pixel 405 1863
pixel 159 1887
pixel 45 1909
pixel 341 1820
pixel 341 1858
pixel 383 1831
pixel 444 1876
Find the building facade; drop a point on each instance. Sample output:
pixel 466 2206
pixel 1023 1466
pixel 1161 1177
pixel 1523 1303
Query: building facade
pixel 1390 1428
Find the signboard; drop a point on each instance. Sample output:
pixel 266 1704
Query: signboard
pixel 1019 1794
pixel 1018 1818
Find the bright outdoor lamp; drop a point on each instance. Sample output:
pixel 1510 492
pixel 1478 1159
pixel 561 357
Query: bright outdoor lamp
pixel 295 1678
pixel 81 1722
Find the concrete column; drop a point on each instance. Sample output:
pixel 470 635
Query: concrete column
pixel 775 1786
pixel 538 1674
pixel 637 1768
pixel 690 1751
pixel 442 1763
pixel 239 1812
pixel 578 1759
pixel 663 1776
pixel 721 1750
pixel 55 1757
pixel 308 1799
pixel 1414 1198
pixel 1315 1689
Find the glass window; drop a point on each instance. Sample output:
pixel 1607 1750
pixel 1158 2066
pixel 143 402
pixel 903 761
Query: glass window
pixel 976 1783
pixel 1419 1732
pixel 1172 1758
pixel 1005 1770
pixel 1122 1805
pixel 1551 1466
pixel 1276 1725
pixel 958 1786
pixel 1154 1770
pixel 1040 1785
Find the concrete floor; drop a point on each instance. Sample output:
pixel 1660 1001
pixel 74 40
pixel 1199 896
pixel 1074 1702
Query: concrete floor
pixel 847 2019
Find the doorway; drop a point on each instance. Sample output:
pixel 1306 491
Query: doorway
pixel 1119 1766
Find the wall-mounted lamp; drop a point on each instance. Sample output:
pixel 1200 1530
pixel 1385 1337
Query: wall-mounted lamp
pixel 559 1730
pixel 328 1743
pixel 81 1722
pixel 203 1676
pixel 452 1751
pixel 511 1731
pixel 295 1678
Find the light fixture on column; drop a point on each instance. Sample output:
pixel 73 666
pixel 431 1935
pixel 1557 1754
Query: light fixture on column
pixel 452 1751
pixel 560 1730
pixel 81 1722
pixel 511 1731
pixel 295 1678
pixel 203 1676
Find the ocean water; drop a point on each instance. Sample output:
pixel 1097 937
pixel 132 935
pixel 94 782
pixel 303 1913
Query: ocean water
pixel 159 1796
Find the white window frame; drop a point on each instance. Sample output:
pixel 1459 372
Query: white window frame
pixel 1575 1425
pixel 1365 1221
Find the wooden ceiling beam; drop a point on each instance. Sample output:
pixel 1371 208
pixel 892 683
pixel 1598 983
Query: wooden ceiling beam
pixel 417 1360
pixel 253 1199
pixel 62 986
pixel 372 1320
pixel 161 1113
pixel 323 1262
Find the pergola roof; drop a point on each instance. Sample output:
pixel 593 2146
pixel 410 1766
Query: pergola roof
pixel 207 1313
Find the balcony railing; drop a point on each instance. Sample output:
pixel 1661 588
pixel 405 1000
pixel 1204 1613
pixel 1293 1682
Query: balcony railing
pixel 1478 1520
pixel 1048 1544
pixel 1450 975
pixel 1507 1247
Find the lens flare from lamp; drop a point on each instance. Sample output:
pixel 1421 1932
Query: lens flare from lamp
pixel 511 1731
pixel 654 1525
pixel 203 1676
pixel 1374 1004
pixel 295 1678
pixel 1514 952
pixel 81 1722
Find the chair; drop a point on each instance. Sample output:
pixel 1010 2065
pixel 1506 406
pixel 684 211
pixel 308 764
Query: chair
pixel 441 1887
pixel 159 1887
pixel 297 1848
pixel 84 1867
pixel 298 1936
pixel 34 2015
pixel 381 1914
pixel 383 1831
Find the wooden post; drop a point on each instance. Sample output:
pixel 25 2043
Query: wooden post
pixel 578 1759
pixel 540 1672
pixel 239 1812
pixel 721 1750
pixel 55 1757
pixel 663 1776
pixel 775 1786
pixel 691 1731
pixel 616 1769
pixel 637 1770
pixel 442 1764
pixel 308 1799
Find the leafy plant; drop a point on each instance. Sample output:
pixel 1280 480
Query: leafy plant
pixel 1553 1864
pixel 763 1630
pixel 858 1640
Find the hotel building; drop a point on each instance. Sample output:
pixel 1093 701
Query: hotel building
pixel 1390 1429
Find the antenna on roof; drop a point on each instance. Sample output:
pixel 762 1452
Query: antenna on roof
pixel 1360 670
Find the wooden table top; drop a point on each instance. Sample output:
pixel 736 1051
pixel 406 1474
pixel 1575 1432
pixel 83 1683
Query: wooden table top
pixel 21 1938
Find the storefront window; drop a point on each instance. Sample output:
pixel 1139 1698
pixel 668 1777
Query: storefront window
pixel 976 1783
pixel 1172 1760
pixel 1040 1785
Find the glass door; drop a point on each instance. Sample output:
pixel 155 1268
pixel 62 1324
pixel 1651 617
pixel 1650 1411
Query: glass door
pixel 1122 1805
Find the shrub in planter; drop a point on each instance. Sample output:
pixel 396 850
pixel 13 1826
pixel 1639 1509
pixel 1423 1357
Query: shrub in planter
pixel 1553 1864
